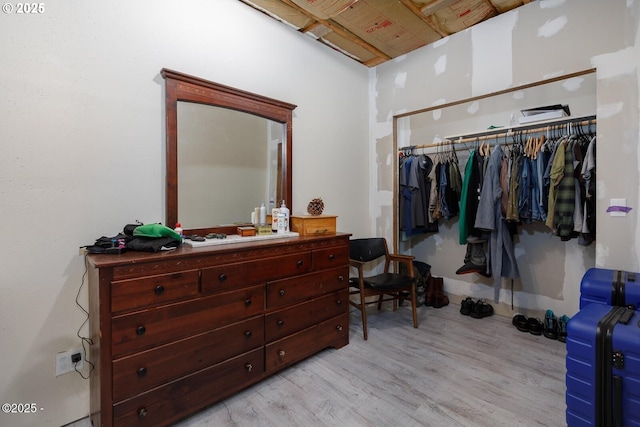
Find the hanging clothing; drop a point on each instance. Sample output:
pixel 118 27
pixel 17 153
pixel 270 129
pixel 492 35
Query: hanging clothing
pixel 408 188
pixel 565 196
pixel 415 188
pixel 502 259
pixel 504 184
pixel 426 223
pixel 470 195
pixel 556 171
pixel 540 198
pixel 449 196
pixel 588 233
pixel 515 174
pixel 526 185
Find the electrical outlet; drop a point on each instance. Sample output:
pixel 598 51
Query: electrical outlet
pixel 82 250
pixel 65 361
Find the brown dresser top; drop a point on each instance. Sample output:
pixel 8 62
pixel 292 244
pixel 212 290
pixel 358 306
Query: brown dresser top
pixel 136 257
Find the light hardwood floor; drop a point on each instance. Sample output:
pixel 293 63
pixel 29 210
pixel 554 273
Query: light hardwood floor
pixel 452 371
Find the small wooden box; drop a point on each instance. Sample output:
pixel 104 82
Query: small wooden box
pixel 313 225
pixel 246 231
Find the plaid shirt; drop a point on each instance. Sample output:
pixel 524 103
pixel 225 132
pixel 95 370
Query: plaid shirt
pixel 565 195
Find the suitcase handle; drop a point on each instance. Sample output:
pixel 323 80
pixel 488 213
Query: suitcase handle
pixel 617 401
pixel 626 316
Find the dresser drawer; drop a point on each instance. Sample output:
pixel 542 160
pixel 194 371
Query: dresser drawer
pixel 142 371
pixel 336 256
pixel 163 406
pixel 243 273
pixel 133 294
pixel 289 320
pixel 287 291
pixel 156 326
pixel 330 333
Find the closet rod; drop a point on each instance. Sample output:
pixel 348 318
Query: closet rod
pixel 500 132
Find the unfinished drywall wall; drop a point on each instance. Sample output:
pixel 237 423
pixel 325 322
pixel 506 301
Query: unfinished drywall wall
pixel 618 118
pixel 538 41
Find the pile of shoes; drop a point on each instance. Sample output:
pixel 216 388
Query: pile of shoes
pixel 553 327
pixel 477 309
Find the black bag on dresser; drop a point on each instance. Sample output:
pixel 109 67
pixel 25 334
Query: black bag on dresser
pixel 137 237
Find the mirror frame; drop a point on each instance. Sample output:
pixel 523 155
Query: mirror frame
pixel 187 88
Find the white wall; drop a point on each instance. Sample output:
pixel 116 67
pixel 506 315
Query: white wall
pixel 540 40
pixel 82 152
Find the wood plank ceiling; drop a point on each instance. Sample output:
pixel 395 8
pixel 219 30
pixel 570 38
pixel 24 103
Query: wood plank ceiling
pixel 374 31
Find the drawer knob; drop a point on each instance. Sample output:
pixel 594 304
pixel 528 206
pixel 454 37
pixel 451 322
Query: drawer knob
pixel 222 277
pixel 281 354
pixel 142 372
pixel 247 302
pixel 339 327
pixel 280 323
pixel 142 413
pixel 140 330
pixel 341 278
pixel 282 292
pixel 331 257
pixel 248 334
pixel 159 290
pixel 249 367
pixel 339 302
pixel 300 262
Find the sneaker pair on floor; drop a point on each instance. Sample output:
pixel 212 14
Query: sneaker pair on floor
pixel 552 327
pixel 476 309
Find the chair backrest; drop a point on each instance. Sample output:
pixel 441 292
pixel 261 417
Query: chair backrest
pixel 366 250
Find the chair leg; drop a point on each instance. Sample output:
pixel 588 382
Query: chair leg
pixel 413 306
pixel 363 311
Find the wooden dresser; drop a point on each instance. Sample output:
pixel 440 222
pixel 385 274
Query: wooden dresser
pixel 177 331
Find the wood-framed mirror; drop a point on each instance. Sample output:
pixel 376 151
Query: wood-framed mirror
pixel 228 151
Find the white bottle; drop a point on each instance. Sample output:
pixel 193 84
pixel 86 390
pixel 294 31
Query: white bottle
pixel 285 211
pixel 178 230
pixel 263 214
pixel 281 223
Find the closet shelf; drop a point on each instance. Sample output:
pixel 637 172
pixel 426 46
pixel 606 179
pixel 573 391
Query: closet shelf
pixel 505 131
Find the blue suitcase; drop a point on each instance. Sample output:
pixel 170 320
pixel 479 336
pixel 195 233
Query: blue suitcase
pixel 603 367
pixel 610 287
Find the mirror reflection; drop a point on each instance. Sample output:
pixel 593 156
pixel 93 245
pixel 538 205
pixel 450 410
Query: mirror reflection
pixel 228 163
pixel 228 151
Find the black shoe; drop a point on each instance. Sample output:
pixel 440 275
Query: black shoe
pixel 535 326
pixel 481 310
pixel 521 322
pixel 470 267
pixel 466 306
pixel 550 325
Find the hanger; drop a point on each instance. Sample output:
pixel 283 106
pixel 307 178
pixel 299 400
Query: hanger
pixel 485 149
pixel 527 147
pixel 540 141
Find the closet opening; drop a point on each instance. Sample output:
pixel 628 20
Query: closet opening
pixel 451 133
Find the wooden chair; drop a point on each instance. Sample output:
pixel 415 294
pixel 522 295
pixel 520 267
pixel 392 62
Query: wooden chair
pixel 387 286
